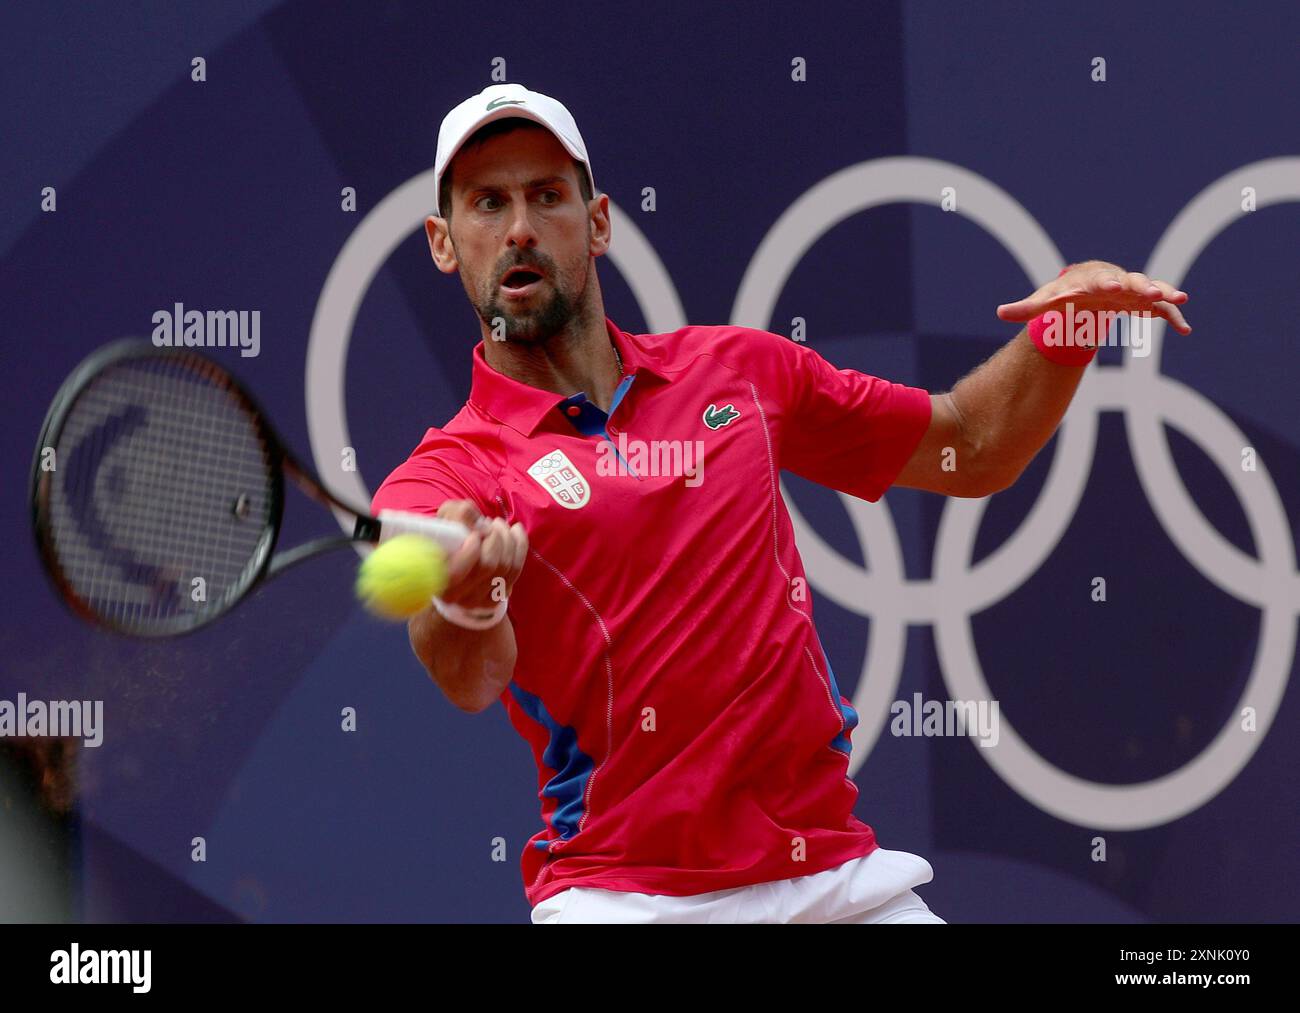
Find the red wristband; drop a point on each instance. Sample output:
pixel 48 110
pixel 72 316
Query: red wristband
pixel 1065 354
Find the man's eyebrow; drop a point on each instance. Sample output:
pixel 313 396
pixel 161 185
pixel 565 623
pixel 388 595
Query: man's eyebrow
pixel 532 184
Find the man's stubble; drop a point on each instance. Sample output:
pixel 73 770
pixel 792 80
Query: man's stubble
pixel 560 312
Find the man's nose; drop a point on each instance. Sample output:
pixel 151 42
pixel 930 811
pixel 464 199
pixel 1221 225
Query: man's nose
pixel 521 232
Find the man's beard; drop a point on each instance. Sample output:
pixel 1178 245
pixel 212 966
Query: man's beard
pixel 535 324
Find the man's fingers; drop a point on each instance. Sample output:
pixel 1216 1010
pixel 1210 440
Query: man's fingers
pixel 462 511
pixel 494 551
pixel 1038 303
pixel 1101 287
pixel 1143 286
pixel 509 550
pixel 519 539
pixel 1171 294
pixel 493 546
pixel 1026 309
pixel 1172 313
pixel 463 561
pixel 1109 281
pixel 1163 298
pixel 1019 312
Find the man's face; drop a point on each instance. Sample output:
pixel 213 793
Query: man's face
pixel 516 206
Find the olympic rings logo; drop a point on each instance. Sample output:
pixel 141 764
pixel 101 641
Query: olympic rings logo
pixel 1136 387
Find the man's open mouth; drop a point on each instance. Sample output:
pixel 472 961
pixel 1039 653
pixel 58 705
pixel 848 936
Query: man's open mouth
pixel 520 278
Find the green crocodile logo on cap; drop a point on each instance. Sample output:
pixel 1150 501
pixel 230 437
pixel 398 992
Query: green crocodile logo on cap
pixel 496 103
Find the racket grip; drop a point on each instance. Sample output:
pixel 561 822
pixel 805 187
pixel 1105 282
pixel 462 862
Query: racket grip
pixel 449 534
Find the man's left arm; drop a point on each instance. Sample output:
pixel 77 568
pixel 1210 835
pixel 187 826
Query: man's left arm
pixel 984 432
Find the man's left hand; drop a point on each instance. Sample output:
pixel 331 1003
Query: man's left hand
pixel 1097 285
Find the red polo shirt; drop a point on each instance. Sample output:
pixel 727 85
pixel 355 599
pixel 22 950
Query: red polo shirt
pixel 688 731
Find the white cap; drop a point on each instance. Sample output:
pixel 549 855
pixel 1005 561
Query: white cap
pixel 496 102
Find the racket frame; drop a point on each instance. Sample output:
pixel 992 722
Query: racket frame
pixel 280 462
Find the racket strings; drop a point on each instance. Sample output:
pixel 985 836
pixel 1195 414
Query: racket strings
pixel 162 496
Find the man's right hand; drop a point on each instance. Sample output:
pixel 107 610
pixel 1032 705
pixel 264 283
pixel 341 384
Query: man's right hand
pixel 473 667
pixel 483 571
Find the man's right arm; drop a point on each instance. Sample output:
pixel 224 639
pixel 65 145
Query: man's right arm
pixel 472 667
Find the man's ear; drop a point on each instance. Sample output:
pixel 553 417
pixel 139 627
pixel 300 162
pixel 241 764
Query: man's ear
pixel 598 227
pixel 440 247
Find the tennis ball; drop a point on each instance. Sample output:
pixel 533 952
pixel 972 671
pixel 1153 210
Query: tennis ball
pixel 401 576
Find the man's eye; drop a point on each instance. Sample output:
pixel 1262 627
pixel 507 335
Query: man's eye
pixel 555 197
pixel 479 203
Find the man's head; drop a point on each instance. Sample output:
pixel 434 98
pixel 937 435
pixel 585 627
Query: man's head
pixel 513 198
pixel 486 133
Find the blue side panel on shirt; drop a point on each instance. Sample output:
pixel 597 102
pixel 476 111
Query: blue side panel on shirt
pixel 571 765
pixel 850 716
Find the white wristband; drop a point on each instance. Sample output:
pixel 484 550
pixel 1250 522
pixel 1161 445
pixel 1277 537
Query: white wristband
pixel 471 619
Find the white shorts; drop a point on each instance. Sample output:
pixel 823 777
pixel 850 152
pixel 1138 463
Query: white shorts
pixel 875 889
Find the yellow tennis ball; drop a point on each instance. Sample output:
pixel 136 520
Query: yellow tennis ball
pixel 401 576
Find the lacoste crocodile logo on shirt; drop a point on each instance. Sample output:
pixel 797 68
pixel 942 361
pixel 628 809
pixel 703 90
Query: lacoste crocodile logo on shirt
pixel 716 418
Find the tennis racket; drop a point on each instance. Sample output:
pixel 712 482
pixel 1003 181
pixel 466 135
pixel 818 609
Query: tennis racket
pixel 158 492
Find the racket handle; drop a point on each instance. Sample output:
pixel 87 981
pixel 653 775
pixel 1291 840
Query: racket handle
pixel 448 534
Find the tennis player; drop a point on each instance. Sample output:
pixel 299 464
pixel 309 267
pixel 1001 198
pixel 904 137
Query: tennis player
pixel 633 594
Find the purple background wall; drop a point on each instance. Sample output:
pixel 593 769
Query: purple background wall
pixel 225 194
